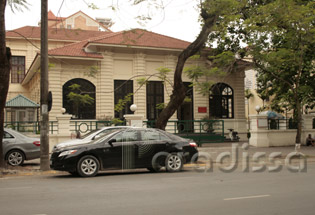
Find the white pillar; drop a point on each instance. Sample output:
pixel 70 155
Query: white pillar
pixel 259 131
pixel 64 124
pixel 307 125
pixel 135 120
pixel 308 121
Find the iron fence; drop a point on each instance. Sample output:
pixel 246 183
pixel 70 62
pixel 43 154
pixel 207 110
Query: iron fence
pixel 85 126
pixel 281 124
pixel 31 126
pixel 200 131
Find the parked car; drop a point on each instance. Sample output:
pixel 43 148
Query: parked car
pixel 17 147
pixel 125 149
pixel 90 136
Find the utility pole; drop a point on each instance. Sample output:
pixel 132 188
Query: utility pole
pixel 44 128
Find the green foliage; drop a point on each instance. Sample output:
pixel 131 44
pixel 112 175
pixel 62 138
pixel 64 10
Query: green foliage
pixel 283 50
pixel 279 36
pixel 141 81
pixel 75 87
pixel 163 72
pixel 122 102
pixel 195 57
pixel 93 6
pixel 117 121
pixel 92 71
pixel 187 99
pixel 248 94
pixel 80 99
pixel 160 106
pixel 202 77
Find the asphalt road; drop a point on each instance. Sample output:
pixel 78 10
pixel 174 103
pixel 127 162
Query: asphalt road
pixel 141 192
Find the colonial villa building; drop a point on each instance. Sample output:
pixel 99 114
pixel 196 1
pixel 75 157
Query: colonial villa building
pixel 84 51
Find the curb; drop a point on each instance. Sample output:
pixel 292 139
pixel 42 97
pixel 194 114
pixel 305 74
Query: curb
pixel 12 173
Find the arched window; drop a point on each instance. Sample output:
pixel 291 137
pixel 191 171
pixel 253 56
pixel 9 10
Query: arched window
pixel 221 102
pixel 79 98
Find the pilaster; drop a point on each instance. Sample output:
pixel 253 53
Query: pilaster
pixel 105 104
pixel 140 71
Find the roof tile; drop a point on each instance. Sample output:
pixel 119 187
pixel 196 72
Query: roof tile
pixel 21 101
pixel 54 33
pixel 140 37
pixel 74 50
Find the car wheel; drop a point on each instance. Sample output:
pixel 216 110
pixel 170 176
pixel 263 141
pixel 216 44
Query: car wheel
pixel 174 162
pixel 88 166
pixel 15 157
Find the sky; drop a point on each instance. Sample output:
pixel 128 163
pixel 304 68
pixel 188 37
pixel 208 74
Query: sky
pixel 178 19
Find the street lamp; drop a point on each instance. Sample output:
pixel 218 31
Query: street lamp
pixel 258 108
pixel 133 107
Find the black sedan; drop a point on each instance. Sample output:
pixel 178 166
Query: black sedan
pixel 126 149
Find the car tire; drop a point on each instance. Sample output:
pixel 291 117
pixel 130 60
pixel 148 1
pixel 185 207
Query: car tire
pixel 88 166
pixel 15 158
pixel 174 162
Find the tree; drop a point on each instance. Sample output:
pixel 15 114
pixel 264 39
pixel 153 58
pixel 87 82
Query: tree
pixel 211 12
pixel 282 46
pixel 5 55
pixel 279 35
pixel 78 98
pixel 248 95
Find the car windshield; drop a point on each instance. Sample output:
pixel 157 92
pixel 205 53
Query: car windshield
pixel 105 137
pixel 107 131
pixel 89 133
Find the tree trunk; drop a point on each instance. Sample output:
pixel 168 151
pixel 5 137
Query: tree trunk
pixel 5 55
pixel 299 122
pixel 178 94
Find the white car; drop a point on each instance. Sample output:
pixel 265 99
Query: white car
pixel 95 134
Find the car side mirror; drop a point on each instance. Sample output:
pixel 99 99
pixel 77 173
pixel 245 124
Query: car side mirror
pixel 110 142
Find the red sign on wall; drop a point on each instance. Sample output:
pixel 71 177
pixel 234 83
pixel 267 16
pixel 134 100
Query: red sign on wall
pixel 202 109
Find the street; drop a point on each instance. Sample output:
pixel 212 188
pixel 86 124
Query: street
pixel 142 192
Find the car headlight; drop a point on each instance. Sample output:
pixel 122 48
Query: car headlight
pixel 69 152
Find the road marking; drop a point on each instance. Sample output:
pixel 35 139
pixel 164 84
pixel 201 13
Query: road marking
pixel 246 197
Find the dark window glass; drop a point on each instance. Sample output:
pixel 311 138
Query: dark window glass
pixel 17 69
pixel 122 89
pixel 155 96
pixel 221 102
pixel 6 135
pixel 126 136
pixel 76 106
pixel 152 135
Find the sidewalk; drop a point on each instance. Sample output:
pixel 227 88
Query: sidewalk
pixel 217 148
pixel 32 167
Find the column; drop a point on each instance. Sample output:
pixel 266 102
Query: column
pixel 259 131
pixel 140 96
pixel 105 104
pixel 64 124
